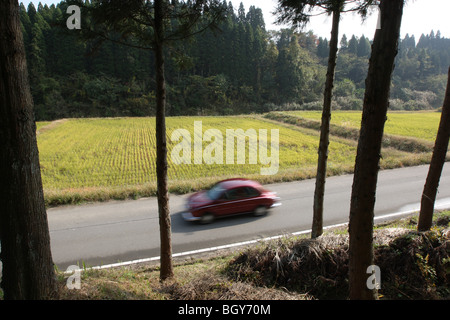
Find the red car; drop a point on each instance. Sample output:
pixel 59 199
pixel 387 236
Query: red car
pixel 230 197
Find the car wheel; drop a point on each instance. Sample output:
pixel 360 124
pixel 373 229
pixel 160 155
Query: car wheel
pixel 260 211
pixel 207 218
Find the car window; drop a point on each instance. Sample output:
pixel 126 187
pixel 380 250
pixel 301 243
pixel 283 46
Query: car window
pixel 237 193
pixel 215 192
pixel 252 192
pixel 223 196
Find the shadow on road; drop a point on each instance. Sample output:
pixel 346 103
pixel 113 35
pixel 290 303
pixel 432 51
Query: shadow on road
pixel 179 225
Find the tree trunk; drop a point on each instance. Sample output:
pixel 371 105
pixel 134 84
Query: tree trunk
pixel 317 225
pixel 28 271
pixel 161 149
pixel 376 101
pixel 436 165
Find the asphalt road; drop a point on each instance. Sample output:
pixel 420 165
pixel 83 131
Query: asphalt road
pixel 106 233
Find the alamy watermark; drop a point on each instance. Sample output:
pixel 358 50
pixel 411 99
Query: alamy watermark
pixel 74 280
pixel 74 21
pixel 374 280
pixel 231 150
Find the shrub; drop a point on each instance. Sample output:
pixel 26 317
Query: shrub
pixel 413 265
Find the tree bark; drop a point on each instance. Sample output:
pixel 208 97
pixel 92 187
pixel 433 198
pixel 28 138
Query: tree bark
pixel 436 165
pixel 317 225
pixel 161 148
pixel 28 271
pixel 376 101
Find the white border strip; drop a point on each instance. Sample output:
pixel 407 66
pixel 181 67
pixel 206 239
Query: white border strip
pixel 238 244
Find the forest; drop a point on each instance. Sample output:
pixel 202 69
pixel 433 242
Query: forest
pixel 240 67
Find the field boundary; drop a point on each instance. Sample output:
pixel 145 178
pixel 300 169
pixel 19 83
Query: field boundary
pixel 50 126
pixel 73 196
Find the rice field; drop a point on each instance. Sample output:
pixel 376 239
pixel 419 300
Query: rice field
pixel 420 125
pixel 81 153
pixel 115 158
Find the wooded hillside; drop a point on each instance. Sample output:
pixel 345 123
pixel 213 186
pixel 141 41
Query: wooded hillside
pixel 240 68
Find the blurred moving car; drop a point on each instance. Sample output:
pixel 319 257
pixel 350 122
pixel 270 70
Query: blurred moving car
pixel 230 197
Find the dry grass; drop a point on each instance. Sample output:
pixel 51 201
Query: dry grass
pixel 195 280
pixel 219 287
pixel 316 267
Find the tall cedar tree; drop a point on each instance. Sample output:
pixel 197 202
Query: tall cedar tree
pixel 376 102
pixel 317 225
pixel 151 25
pixel 298 13
pixel 28 271
pixel 436 165
pixel 161 145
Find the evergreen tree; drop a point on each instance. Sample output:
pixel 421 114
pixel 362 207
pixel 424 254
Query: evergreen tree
pixel 322 48
pixel 31 10
pixel 289 73
pixel 408 42
pixel 353 45
pixel 363 49
pixel 344 42
pixel 255 18
pixel 269 67
pixel 437 163
pixel 27 266
pixel 376 102
pixel 241 13
pixel 26 28
pixel 37 49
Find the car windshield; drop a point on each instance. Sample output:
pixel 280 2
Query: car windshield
pixel 215 192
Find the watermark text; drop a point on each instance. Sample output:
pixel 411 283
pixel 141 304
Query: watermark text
pixel 231 150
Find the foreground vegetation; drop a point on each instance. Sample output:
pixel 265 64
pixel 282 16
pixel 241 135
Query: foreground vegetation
pixel 413 266
pixel 114 158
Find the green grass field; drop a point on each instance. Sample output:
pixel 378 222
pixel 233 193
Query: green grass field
pixel 420 125
pixel 114 158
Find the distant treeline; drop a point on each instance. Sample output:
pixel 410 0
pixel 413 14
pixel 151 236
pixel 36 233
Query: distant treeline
pixel 240 68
